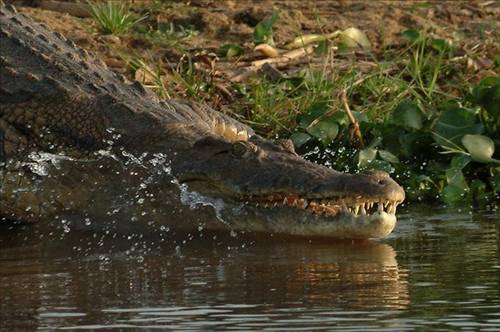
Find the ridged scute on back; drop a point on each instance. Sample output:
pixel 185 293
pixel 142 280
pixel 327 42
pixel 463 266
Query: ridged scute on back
pixel 38 65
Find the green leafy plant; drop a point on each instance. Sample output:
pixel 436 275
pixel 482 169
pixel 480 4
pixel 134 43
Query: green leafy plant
pixel 263 33
pixel 113 17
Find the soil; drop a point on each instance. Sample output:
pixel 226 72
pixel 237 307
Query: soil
pixel 215 23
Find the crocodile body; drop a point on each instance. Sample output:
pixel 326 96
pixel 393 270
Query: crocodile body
pixel 83 145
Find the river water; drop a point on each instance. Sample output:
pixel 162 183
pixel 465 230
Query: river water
pixel 440 269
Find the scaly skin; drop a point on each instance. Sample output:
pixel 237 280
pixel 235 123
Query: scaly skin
pixel 82 145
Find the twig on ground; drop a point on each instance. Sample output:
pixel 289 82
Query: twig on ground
pixel 281 61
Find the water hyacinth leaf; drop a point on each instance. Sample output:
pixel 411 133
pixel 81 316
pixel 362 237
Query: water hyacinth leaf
pixel 360 116
pixel 299 139
pixel 455 192
pixel 489 81
pixel 263 32
pixel 381 165
pixel 480 147
pixel 455 123
pixel 376 141
pixel 366 156
pixel 458 162
pixel 491 100
pixel 487 94
pixel 455 176
pixel 408 115
pixel 387 156
pixel 341 118
pixel 454 195
pixel 354 38
pixel 325 130
pixel 410 35
pixel 478 189
pixel 313 112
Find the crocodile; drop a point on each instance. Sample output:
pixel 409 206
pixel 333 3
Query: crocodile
pixel 82 145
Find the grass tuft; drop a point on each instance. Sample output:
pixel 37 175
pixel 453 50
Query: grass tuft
pixel 113 17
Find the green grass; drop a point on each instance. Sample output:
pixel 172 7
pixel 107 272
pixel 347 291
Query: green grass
pixel 113 17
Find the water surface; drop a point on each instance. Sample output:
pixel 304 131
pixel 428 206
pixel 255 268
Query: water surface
pixel 439 270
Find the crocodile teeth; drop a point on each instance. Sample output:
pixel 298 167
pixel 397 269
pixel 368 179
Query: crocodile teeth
pixel 344 207
pixel 303 203
pixel 380 207
pixel 363 210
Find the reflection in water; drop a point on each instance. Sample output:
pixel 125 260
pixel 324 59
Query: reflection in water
pixel 440 271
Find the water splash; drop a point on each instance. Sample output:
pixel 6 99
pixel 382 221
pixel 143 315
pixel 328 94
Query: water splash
pixel 42 161
pixel 195 200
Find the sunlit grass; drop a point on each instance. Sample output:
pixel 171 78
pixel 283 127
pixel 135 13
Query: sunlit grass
pixel 113 17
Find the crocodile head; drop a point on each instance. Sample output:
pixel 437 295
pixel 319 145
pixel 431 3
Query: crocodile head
pixel 284 193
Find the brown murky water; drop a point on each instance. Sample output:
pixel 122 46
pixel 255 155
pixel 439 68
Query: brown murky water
pixel 439 270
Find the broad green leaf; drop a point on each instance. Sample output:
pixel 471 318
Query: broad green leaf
pixel 263 32
pixel 341 118
pixel 354 38
pixel 440 45
pixel 454 195
pixel 408 115
pixel 454 123
pixel 313 112
pixel 381 165
pixel 387 156
pixel 325 130
pixel 411 35
pixel 299 139
pixel 478 189
pixel 375 142
pixel 360 116
pixel 491 100
pixel 454 176
pixel 489 81
pixel 480 147
pixel 458 162
pixel 487 95
pixel 366 156
pixel 456 191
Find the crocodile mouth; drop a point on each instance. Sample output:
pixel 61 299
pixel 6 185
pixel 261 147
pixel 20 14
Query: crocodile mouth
pixel 328 207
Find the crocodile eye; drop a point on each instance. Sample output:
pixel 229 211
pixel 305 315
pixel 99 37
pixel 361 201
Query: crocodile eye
pixel 239 149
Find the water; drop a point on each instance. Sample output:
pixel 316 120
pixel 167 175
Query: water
pixel 439 270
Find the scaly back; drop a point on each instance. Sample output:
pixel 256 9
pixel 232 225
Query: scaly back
pixel 56 96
